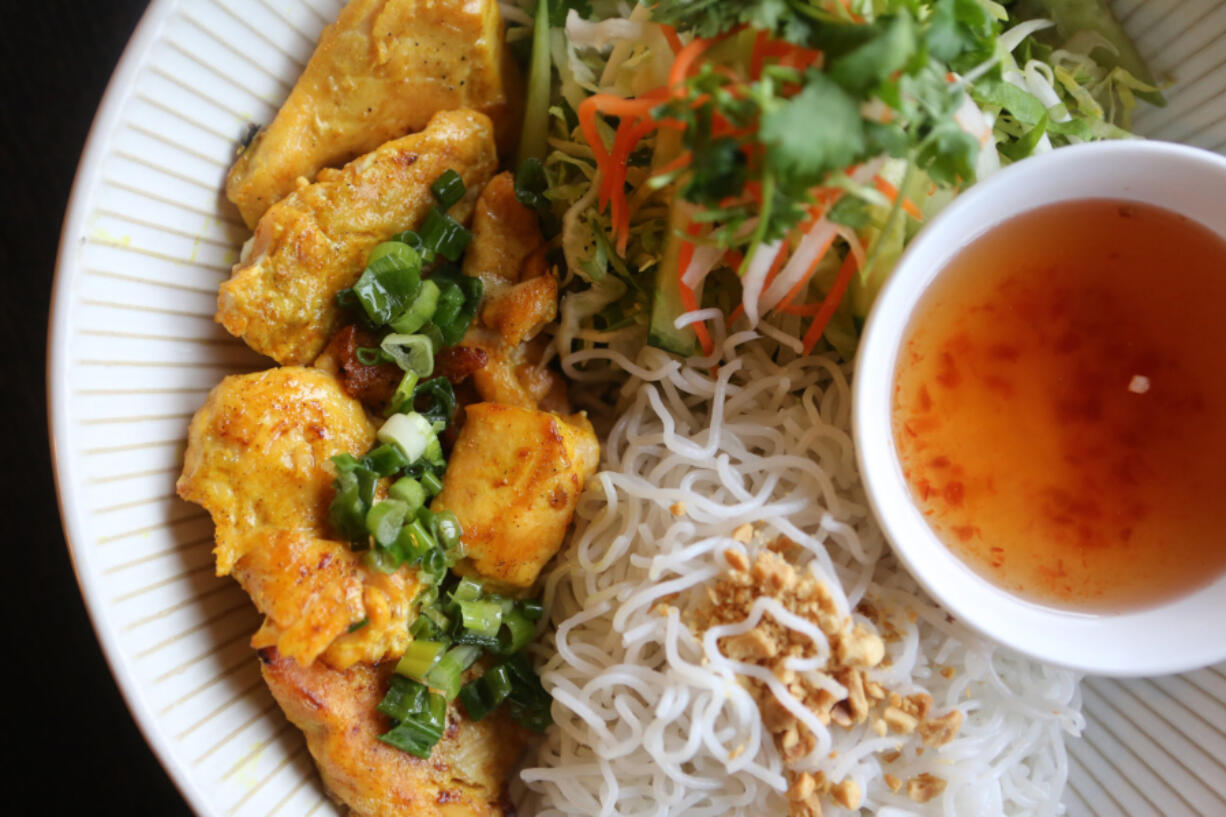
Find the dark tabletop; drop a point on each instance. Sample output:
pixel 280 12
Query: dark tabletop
pixel 72 744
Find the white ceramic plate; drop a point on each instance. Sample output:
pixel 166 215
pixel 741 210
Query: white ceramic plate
pixel 134 350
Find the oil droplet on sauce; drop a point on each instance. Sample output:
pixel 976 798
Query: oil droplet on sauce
pixel 1060 405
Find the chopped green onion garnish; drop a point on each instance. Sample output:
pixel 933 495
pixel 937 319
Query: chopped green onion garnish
pixel 408 491
pixel 448 188
pixel 404 699
pixel 418 658
pixel 447 529
pixel 443 234
pixel 442 399
pixel 445 675
pixel 467 590
pixel 481 616
pixel 412 353
pixel 385 519
pixel 418 313
pixel 387 459
pixel 431 483
pixel 381 560
pixel 369 356
pixel 412 432
pixel 431 624
pixel 390 281
pixel 414 736
pixel 403 397
pixel 357 625
pixel 519 631
pixel 531 608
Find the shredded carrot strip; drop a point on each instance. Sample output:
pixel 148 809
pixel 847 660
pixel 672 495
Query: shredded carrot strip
pixel 757 58
pixel 670 34
pixel 680 162
pixel 688 299
pixel 684 61
pixel 891 193
pixel 830 303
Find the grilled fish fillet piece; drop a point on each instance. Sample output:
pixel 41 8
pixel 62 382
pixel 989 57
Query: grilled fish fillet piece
pixel 464 777
pixel 513 481
pixel 310 245
pixel 379 72
pixel 507 254
pixel 258 460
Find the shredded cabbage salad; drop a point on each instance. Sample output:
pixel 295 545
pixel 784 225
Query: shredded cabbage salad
pixel 774 157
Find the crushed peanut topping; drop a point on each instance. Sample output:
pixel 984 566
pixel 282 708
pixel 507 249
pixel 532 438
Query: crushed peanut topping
pixel 924 787
pixel 940 731
pixel 846 794
pixel 854 651
pixel 677 509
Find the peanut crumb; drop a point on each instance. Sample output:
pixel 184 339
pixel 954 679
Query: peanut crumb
pixel 890 757
pixel 898 720
pixel 940 731
pixel 893 782
pixel 677 509
pixel 735 559
pixel 924 787
pixel 846 794
pixel 948 672
pixel 743 534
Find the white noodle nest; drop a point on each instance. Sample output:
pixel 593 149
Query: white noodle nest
pixel 651 720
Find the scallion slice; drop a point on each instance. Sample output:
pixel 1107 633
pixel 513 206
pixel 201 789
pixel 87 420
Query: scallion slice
pixel 448 188
pixel 447 529
pixel 467 590
pixel 418 313
pixel 385 519
pixel 418 658
pixel 404 698
pixel 443 234
pixel 403 398
pixel 408 491
pixel 431 483
pixel 411 432
pixel 387 459
pixel 518 632
pixel 381 560
pixel 445 675
pixel 389 283
pixel 415 736
pixel 481 616
pixel 412 353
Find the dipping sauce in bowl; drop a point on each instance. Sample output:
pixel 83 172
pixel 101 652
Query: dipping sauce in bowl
pixel 1060 405
pixel 1039 408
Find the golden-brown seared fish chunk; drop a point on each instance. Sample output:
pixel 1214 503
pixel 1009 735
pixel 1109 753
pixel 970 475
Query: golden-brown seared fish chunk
pixel 379 72
pixel 258 460
pixel 464 777
pixel 513 481
pixel 312 244
pixel 507 254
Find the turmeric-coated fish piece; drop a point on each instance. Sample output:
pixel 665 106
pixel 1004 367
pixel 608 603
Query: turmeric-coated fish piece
pixel 259 461
pixel 378 73
pixel 281 297
pixel 513 481
pixel 464 777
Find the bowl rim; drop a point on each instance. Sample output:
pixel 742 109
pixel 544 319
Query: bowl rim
pixel 86 181
pixel 1111 644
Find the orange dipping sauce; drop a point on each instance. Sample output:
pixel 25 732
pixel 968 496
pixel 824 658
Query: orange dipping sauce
pixel 1060 405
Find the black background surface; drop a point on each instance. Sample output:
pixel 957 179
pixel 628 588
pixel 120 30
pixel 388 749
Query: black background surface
pixel 69 744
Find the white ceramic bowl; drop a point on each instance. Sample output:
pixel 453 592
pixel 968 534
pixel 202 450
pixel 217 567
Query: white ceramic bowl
pixel 1183 634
